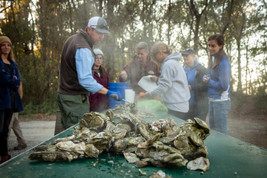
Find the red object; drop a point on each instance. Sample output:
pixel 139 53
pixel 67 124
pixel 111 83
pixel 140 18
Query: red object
pixel 99 102
pixel 5 158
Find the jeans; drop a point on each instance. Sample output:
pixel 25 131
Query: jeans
pixel 218 111
pixel 178 114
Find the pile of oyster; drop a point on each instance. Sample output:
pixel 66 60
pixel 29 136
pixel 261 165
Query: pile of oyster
pixel 159 143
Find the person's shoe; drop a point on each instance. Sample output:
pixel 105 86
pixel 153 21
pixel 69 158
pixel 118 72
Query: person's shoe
pixel 20 147
pixel 5 158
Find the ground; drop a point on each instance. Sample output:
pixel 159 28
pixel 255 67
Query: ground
pixel 248 123
pixel 245 123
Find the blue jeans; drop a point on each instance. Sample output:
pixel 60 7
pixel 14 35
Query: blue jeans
pixel 218 111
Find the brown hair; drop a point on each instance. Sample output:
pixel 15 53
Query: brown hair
pixel 160 46
pixel 220 41
pixel 101 71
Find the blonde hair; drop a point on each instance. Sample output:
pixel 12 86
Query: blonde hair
pixel 160 47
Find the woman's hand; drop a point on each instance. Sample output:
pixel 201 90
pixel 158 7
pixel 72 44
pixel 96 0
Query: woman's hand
pixel 154 78
pixel 206 78
pixel 142 95
pixel 189 86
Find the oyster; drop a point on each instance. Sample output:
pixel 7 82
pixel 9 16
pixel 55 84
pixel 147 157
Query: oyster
pixel 119 146
pixel 91 151
pixel 131 157
pixel 160 143
pixel 199 164
pixel 102 141
pixel 159 174
pixel 190 140
pixel 116 132
pixel 161 154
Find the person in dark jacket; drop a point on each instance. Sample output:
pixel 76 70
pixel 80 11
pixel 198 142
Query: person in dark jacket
pixel 75 74
pixel 9 97
pixel 99 102
pixel 198 103
pixel 141 65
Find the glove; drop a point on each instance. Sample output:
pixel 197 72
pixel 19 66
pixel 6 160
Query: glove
pixel 114 95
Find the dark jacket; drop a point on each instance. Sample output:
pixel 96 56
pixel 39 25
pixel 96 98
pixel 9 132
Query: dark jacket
pixel 68 78
pixel 9 82
pixel 99 102
pixel 136 71
pixel 201 89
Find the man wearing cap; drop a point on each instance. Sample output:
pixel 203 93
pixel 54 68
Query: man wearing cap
pixel 198 103
pixel 75 75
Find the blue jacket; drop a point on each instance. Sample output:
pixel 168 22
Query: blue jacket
pixel 219 83
pixel 9 82
pixel 191 75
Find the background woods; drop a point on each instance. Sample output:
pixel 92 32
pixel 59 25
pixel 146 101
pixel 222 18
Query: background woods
pixel 38 29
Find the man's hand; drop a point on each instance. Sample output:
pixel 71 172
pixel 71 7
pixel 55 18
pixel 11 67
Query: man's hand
pixel 114 95
pixel 123 76
pixel 154 78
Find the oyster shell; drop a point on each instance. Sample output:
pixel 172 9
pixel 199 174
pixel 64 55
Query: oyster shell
pixel 200 163
pixel 160 143
pixel 93 121
pixel 91 151
pixel 131 157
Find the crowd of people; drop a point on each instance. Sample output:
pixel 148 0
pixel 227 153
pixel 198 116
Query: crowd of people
pixel 187 91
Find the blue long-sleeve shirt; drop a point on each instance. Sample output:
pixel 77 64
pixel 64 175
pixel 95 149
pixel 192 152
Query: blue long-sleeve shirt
pixel 219 83
pixel 84 61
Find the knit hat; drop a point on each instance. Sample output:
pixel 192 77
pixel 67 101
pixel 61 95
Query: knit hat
pixel 5 39
pixel 99 24
pixel 188 51
pixel 98 51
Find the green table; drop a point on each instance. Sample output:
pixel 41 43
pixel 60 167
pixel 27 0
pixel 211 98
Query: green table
pixel 229 157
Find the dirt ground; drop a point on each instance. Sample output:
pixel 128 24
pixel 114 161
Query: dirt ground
pixel 248 124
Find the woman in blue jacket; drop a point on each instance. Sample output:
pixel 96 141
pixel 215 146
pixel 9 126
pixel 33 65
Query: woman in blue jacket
pixel 9 97
pixel 198 103
pixel 218 84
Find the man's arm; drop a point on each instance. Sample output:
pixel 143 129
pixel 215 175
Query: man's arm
pixel 84 61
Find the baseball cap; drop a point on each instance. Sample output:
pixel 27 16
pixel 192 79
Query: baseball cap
pixel 98 52
pixel 188 51
pixel 99 24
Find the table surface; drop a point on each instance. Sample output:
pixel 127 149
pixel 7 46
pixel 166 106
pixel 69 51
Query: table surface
pixel 229 157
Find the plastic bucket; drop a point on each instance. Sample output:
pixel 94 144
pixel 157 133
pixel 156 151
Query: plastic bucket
pixel 129 96
pixel 118 87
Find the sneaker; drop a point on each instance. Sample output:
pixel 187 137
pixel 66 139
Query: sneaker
pixel 4 158
pixel 20 147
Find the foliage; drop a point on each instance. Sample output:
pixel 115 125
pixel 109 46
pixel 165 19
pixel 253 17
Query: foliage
pixel 48 107
pixel 261 103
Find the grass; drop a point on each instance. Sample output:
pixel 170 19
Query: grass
pixel 44 108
